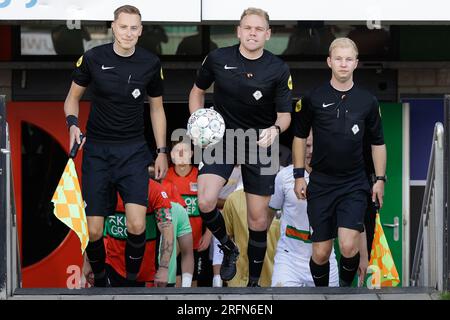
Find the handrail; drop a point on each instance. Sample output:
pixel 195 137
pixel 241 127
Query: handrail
pixel 3 200
pixel 10 272
pixel 426 271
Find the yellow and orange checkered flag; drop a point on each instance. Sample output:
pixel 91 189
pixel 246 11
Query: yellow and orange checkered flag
pixel 381 260
pixel 69 204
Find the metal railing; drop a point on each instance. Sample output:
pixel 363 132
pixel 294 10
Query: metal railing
pixel 428 263
pixel 10 274
pixel 3 229
pixel 446 244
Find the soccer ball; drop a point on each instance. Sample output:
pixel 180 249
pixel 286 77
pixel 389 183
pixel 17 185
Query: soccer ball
pixel 205 127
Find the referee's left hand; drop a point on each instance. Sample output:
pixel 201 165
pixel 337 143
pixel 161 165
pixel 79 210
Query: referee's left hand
pixel 161 166
pixel 378 192
pixel 267 137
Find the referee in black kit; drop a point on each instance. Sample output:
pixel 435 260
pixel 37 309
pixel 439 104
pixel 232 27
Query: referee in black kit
pixel 339 114
pixel 252 91
pixel 116 155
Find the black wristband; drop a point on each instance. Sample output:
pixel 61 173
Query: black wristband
pixel 299 173
pixel 278 128
pixel 71 120
pixel 162 150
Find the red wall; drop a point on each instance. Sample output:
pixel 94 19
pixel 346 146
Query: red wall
pixel 50 272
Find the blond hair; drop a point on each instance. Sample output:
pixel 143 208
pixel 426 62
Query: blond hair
pixel 343 43
pixel 255 11
pixel 126 9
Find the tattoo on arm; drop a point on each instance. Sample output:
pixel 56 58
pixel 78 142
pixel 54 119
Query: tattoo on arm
pixel 165 252
pixel 164 225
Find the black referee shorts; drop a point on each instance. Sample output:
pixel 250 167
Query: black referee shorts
pixel 108 168
pixel 335 202
pixel 258 175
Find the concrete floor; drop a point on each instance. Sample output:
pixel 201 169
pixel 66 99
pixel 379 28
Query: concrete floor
pixel 209 294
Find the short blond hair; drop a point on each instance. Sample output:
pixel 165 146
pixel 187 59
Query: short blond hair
pixel 343 43
pixel 257 12
pixel 126 9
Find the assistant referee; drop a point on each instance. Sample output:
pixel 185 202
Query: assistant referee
pixel 339 114
pixel 116 156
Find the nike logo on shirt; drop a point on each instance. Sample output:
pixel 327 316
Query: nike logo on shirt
pixel 106 68
pixel 226 67
pixel 327 105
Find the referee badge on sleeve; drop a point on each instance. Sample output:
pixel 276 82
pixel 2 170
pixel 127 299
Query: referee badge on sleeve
pixel 289 84
pixel 298 105
pixel 79 61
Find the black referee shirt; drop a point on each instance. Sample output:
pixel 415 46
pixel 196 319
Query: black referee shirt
pixel 247 93
pixel 119 86
pixel 339 121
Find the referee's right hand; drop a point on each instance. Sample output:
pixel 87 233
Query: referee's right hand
pixel 300 188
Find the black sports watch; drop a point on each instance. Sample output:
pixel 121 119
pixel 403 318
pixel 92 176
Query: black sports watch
pixel 162 150
pixel 382 178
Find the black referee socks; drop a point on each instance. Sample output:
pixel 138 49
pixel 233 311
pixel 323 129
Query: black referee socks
pixel 347 270
pixel 134 253
pixel 216 224
pixel 96 256
pixel 320 273
pixel 256 251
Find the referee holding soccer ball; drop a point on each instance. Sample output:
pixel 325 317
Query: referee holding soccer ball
pixel 252 91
